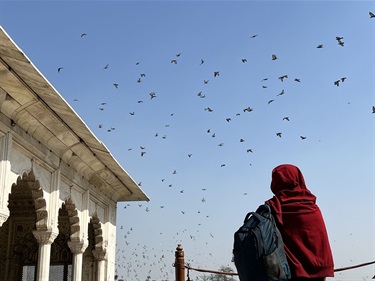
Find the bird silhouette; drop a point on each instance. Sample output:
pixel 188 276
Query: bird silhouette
pixel 274 57
pixel 174 61
pixel 320 46
pixel 202 62
pixel 255 35
pixel 106 67
pixel 286 118
pixel 116 85
pixel 283 77
pixel 83 34
pixel 281 93
pixel 270 101
pixel 244 60
pixel 59 69
pixel 216 73
pixel 373 109
pixel 372 15
pixel 302 137
pixel 278 134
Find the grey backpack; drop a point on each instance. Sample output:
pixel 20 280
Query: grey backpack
pixel 258 249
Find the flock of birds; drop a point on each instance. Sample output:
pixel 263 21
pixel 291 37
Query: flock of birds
pixel 134 258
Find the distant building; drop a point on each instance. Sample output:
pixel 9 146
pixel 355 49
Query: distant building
pixel 59 185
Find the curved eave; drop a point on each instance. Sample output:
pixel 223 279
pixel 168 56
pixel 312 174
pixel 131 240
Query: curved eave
pixel 32 103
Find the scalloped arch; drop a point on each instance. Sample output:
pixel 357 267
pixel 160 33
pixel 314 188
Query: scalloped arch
pixel 27 192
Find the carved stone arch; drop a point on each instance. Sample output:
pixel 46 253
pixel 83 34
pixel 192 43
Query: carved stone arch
pixel 98 232
pixel 28 193
pixel 73 219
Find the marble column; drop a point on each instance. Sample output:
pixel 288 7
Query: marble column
pixel 100 256
pixel 45 238
pixel 78 248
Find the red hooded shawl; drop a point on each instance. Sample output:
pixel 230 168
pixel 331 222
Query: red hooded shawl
pixel 301 224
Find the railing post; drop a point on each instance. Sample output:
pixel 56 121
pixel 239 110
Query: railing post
pixel 179 263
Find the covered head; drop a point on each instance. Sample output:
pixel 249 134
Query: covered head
pixel 287 177
pixel 288 185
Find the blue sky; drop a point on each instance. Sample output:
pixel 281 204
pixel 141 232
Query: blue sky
pixel 203 203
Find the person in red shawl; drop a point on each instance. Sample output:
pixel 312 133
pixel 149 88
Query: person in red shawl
pixel 301 225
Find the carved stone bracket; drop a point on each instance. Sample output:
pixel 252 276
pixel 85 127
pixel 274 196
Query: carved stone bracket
pixel 77 247
pixel 44 236
pixel 100 255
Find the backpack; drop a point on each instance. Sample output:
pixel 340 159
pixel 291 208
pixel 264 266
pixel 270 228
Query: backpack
pixel 258 249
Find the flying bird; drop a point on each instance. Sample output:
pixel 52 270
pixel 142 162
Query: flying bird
pixel 283 77
pixel 244 60
pixel 59 69
pixel 297 79
pixel 286 118
pixel 174 61
pixel 278 134
pixel 216 73
pixel 281 93
pixel 270 101
pixel 302 137
pixel 274 57
pixel 320 46
pixel 202 62
pixel 337 83
pixel 116 85
pixel 372 15
pixel 83 34
pixel 152 95
pixel 106 67
pixel 373 109
pixel 255 35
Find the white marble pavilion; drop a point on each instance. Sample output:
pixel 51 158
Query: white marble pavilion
pixel 59 184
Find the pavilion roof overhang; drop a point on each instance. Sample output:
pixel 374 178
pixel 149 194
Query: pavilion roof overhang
pixel 32 103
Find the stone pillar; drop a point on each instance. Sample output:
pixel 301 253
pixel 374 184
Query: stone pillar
pixel 45 238
pixel 77 248
pixel 5 184
pixel 100 256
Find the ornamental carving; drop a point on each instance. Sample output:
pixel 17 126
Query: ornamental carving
pixel 26 197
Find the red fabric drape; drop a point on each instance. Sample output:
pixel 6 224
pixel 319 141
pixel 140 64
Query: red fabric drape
pixel 301 224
